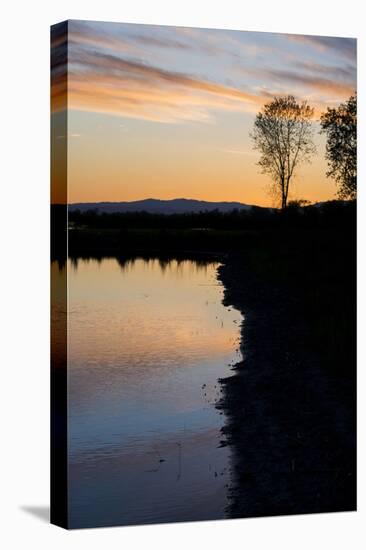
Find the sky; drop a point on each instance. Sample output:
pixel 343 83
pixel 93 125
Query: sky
pixel 166 112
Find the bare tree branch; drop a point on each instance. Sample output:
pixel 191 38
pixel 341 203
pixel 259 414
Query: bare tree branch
pixel 283 134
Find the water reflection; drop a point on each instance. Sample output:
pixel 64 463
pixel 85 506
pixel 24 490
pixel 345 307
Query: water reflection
pixel 164 261
pixel 148 340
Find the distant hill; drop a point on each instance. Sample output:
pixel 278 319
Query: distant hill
pixel 156 206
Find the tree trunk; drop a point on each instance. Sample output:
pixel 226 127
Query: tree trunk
pixel 283 193
pixel 286 190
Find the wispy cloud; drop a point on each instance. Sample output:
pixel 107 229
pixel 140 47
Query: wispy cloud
pixel 123 38
pixel 345 47
pixel 337 72
pixel 122 69
pixel 107 82
pixel 319 83
pixel 309 81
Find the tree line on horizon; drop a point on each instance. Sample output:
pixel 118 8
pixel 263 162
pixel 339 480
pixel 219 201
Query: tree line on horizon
pixel 283 134
pixel 253 219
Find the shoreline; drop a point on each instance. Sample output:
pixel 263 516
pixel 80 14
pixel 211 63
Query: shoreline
pixel 289 423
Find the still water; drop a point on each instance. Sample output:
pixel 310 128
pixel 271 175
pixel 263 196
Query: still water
pixel 147 344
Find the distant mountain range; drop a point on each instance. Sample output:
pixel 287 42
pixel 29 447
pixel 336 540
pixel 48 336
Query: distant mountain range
pixel 156 206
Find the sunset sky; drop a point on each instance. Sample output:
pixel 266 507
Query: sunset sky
pixel 166 112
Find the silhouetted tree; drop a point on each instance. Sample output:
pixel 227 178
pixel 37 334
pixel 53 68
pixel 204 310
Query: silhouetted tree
pixel 340 125
pixel 283 134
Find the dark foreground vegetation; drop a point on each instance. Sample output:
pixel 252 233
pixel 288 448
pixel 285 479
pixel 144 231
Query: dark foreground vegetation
pixel 291 403
pixel 208 232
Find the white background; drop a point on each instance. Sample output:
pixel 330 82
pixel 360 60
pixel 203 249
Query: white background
pixel 24 306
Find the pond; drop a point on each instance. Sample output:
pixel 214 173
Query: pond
pixel 148 342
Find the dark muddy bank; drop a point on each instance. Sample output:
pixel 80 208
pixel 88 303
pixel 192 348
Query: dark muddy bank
pixel 291 403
